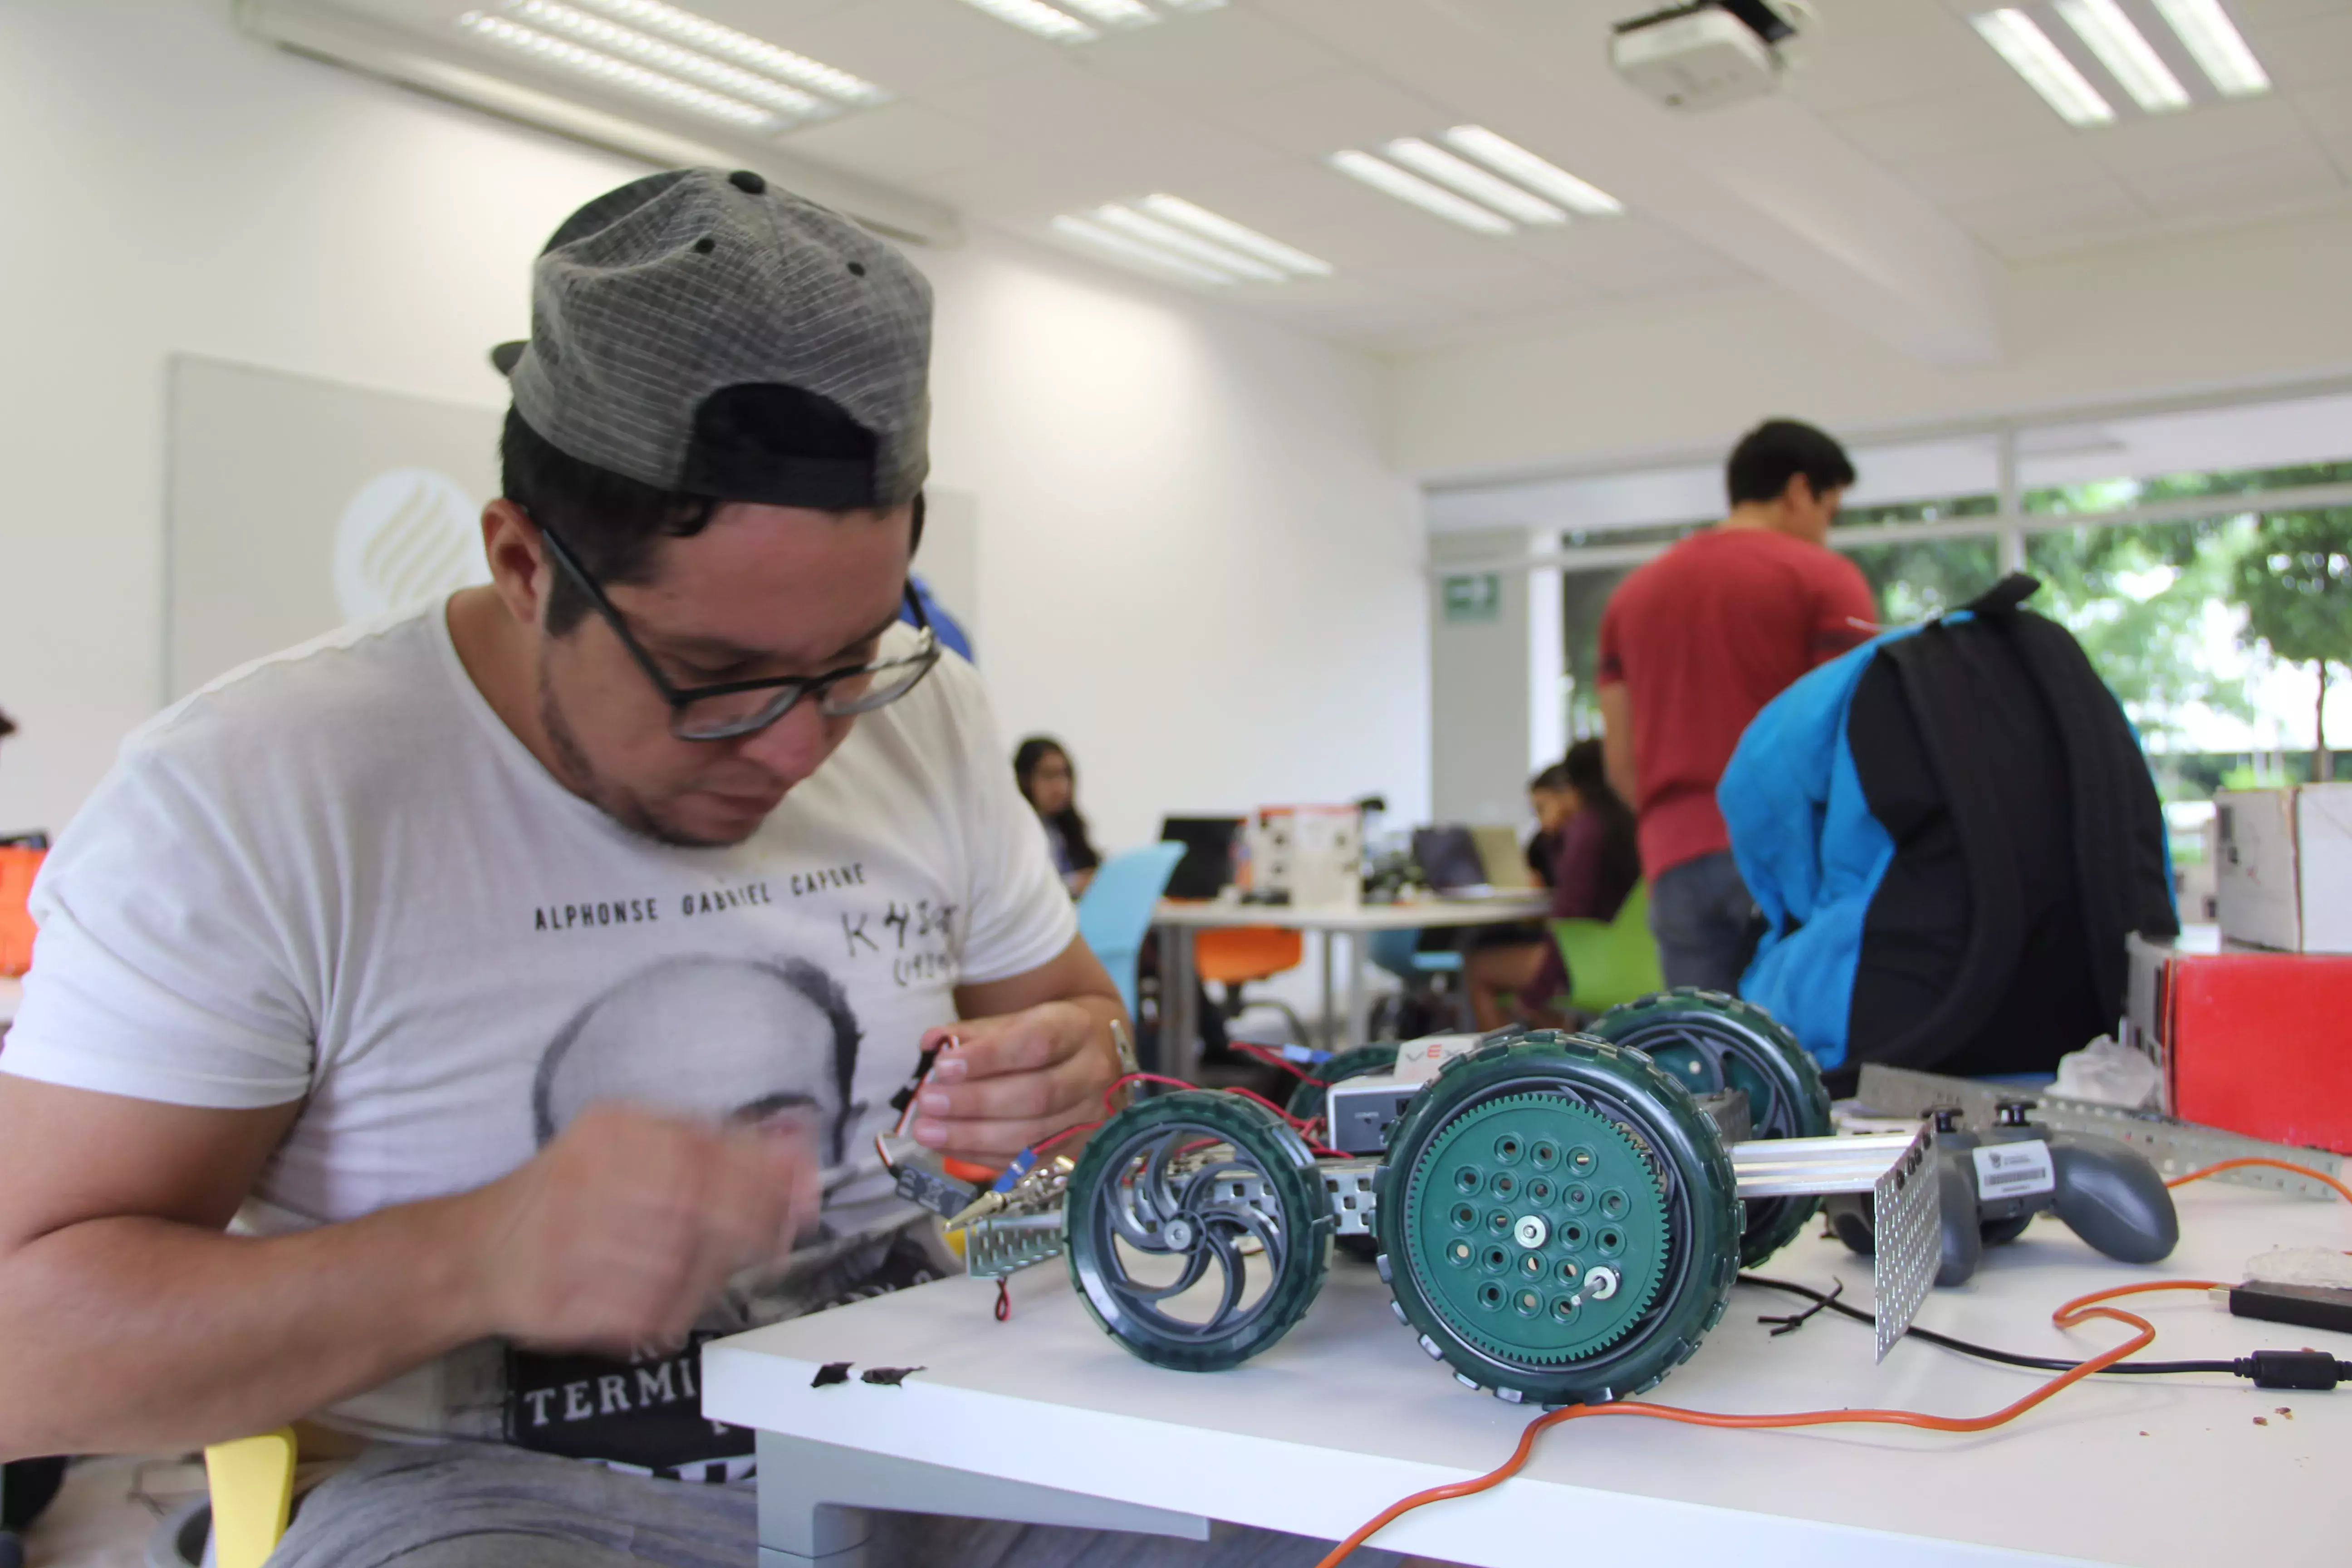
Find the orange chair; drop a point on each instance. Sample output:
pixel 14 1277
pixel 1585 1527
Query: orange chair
pixel 1233 956
pixel 18 867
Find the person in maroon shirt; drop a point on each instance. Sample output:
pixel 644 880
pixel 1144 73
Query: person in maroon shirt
pixel 1594 866
pixel 1692 645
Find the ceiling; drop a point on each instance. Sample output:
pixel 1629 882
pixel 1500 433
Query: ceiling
pixel 1902 166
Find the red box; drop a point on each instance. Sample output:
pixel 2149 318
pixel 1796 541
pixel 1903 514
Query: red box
pixel 2252 1042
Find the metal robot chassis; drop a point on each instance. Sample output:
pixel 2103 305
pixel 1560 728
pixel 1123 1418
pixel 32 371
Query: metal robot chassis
pixel 1558 1216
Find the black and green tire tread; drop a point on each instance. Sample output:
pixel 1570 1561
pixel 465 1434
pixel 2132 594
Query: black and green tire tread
pixel 1278 1154
pixel 1355 1061
pixel 1702 1210
pixel 1771 1050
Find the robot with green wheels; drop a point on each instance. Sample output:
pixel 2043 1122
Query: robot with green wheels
pixel 1558 1216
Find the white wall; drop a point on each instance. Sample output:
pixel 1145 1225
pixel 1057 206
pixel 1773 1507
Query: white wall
pixel 1194 563
pixel 1195 567
pixel 1495 714
pixel 2257 306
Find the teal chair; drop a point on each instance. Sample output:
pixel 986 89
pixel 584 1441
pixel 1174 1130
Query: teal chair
pixel 1612 961
pixel 1115 912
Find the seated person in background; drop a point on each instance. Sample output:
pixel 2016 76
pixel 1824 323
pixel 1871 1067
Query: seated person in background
pixel 1596 866
pixel 1050 784
pixel 1499 961
pixel 1547 793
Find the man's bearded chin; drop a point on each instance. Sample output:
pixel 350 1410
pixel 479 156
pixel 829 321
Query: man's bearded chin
pixel 613 799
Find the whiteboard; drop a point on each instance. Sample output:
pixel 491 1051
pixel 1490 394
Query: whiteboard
pixel 298 505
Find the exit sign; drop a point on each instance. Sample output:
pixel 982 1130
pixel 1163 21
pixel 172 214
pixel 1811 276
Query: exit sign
pixel 1474 596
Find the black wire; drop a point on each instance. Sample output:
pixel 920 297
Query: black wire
pixel 1985 1352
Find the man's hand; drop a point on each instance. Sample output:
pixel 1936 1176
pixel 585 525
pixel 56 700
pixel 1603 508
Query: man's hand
pixel 621 1232
pixel 1015 1079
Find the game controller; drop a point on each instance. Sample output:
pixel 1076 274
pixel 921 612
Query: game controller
pixel 1992 1184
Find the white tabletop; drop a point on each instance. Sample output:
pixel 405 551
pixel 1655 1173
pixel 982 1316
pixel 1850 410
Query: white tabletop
pixel 1345 1414
pixel 1491 909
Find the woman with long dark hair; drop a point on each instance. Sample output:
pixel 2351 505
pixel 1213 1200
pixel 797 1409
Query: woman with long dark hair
pixel 1595 863
pixel 1050 784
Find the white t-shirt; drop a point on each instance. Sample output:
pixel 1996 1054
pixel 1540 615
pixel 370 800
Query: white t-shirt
pixel 335 876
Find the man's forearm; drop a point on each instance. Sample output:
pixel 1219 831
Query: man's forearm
pixel 136 1333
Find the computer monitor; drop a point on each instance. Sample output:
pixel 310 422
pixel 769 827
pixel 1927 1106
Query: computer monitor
pixel 1208 862
pixel 1448 856
pixel 1504 857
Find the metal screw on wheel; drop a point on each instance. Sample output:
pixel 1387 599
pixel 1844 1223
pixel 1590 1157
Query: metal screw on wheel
pixel 1196 1229
pixel 1557 1220
pixel 1707 1042
pixel 1538 1225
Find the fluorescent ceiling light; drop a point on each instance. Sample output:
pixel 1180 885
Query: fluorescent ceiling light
pixel 2031 54
pixel 757 54
pixel 1395 182
pixel 618 73
pixel 1194 5
pixel 1472 181
pixel 687 64
pixel 1035 16
pixel 1167 236
pixel 1545 178
pixel 2126 54
pixel 1225 231
pixel 2207 34
pixel 1094 234
pixel 1116 12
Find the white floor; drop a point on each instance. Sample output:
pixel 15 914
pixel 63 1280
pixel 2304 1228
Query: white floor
pixel 99 1519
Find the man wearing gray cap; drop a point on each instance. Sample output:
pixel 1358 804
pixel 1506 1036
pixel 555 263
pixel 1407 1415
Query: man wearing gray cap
pixel 525 976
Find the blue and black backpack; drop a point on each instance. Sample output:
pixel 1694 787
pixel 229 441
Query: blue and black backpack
pixel 1949 831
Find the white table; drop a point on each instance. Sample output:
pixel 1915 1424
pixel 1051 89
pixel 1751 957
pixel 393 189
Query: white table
pixel 1176 919
pixel 1045 1418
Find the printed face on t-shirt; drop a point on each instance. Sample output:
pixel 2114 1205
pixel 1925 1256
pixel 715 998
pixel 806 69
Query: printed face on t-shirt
pixel 761 592
pixel 773 1042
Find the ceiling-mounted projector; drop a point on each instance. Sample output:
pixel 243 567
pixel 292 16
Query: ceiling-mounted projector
pixel 1712 53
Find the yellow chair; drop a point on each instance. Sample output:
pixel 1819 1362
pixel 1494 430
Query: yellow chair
pixel 252 1485
pixel 1612 961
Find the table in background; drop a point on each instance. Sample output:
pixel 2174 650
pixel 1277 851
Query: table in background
pixel 1176 919
pixel 1045 1418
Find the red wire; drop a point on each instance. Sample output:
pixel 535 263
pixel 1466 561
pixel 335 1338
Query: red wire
pixel 1276 1059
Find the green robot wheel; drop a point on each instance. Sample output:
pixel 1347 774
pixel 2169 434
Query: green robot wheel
pixel 1557 1220
pixel 1706 1042
pixel 1196 1226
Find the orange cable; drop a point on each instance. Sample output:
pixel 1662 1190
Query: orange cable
pixel 2072 1313
pixel 2341 1190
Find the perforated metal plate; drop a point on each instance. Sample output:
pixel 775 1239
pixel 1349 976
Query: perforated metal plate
pixel 1909 1237
pixel 1006 1244
pixel 2175 1147
pixel 1347 1188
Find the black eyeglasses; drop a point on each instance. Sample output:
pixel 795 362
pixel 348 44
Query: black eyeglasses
pixel 736 708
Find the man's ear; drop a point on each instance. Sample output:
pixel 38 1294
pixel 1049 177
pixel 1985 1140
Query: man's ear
pixel 519 569
pixel 915 539
pixel 1798 492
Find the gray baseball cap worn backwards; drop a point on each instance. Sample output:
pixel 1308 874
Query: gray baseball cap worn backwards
pixel 707 333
